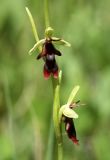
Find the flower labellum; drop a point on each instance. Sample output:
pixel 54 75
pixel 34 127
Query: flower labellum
pixel 48 54
pixel 50 66
pixel 48 49
pixel 70 129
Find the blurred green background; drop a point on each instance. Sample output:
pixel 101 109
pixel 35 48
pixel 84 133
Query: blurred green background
pixel 26 98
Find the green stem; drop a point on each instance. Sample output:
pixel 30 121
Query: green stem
pixel 57 126
pixel 46 13
pixel 56 90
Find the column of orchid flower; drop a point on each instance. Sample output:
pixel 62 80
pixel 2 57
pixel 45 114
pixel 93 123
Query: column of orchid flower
pixel 65 113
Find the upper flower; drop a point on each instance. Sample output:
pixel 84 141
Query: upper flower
pixel 46 48
pixel 48 52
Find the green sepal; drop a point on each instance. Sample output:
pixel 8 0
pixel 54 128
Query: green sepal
pixel 37 45
pixel 73 94
pixel 56 39
pixel 68 112
pixel 61 112
pixel 61 41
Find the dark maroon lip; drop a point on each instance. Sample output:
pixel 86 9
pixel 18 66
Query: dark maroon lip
pixel 48 54
pixel 70 129
pixel 48 49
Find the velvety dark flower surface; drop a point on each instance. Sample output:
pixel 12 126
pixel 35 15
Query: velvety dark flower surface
pixel 50 66
pixel 48 48
pixel 48 54
pixel 70 129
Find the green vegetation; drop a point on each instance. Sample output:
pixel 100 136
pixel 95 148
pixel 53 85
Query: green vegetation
pixel 26 98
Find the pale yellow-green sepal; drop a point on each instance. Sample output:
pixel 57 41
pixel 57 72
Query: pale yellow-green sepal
pixel 56 39
pixel 61 41
pixel 68 112
pixel 37 45
pixel 73 94
pixel 61 112
pixel 32 24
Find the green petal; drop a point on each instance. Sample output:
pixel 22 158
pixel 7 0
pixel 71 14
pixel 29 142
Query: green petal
pixel 73 94
pixel 68 112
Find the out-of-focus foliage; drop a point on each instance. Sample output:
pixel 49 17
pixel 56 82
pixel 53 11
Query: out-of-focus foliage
pixel 26 98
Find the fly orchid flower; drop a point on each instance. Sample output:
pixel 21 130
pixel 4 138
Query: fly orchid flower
pixel 68 114
pixel 49 52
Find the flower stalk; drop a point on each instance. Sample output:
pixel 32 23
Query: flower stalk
pixel 46 13
pixel 56 108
